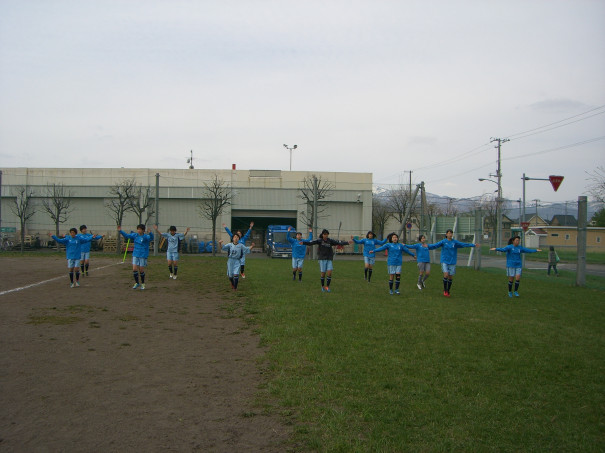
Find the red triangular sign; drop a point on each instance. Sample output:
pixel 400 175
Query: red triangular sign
pixel 555 181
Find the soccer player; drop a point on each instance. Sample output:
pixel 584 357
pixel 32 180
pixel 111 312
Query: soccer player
pixel 449 258
pixel 73 244
pixel 395 259
pixel 325 255
pixel 235 251
pixel 242 240
pixel 172 251
pixel 513 262
pixel 423 259
pixel 299 250
pixel 369 243
pixel 85 249
pixel 140 253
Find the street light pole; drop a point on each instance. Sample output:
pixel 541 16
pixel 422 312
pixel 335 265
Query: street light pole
pixel 287 147
pixel 498 210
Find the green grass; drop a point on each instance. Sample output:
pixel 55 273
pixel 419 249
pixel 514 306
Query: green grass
pixel 364 371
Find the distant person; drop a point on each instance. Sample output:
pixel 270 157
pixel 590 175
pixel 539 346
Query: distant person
pixel 423 259
pixel 140 253
pixel 395 259
pixel 85 249
pixel 73 251
pixel 299 250
pixel 513 262
pixel 553 260
pixel 325 255
pixel 369 259
pixel 172 251
pixel 449 258
pixel 242 240
pixel 235 251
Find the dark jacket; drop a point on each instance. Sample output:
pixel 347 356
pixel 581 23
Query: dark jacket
pixel 325 250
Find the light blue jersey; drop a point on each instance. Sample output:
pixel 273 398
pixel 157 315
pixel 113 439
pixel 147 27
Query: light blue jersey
pixel 73 246
pixel 513 254
pixel 299 250
pixel 449 250
pixel 141 243
pixel 235 253
pixel 369 244
pixel 396 251
pixel 173 241
pixel 422 252
pixel 85 247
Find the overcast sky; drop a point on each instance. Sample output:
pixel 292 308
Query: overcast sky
pixel 360 86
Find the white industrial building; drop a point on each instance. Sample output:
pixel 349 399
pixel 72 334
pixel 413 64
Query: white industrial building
pixel 262 196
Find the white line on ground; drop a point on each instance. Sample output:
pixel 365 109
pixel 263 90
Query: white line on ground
pixel 2 293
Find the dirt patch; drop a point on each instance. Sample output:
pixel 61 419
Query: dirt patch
pixel 104 367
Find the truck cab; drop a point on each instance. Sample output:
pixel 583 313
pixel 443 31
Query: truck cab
pixel 276 241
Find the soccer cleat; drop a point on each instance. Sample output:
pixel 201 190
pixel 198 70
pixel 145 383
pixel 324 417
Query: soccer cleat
pixel 86 273
pixel 136 285
pixel 326 289
pixel 391 292
pixel 142 285
pixel 516 294
pixel 71 285
pixel 445 293
pixel 171 275
pixel 510 294
pixel 77 283
pixel 423 285
pixel 174 277
pixel 419 285
pixel 243 275
pixel 397 291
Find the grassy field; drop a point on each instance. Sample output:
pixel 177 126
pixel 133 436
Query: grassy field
pixel 358 370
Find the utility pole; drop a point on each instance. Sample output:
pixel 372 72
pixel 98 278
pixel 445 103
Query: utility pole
pixel 0 200
pixel 315 195
pixel 535 200
pixel 157 212
pixel 499 181
pixel 582 222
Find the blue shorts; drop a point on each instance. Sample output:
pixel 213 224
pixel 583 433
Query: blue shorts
pixel 233 266
pixel 513 271
pixel 394 269
pixel 297 263
pixel 84 256
pixel 448 268
pixel 369 260
pixel 72 263
pixel 172 256
pixel 424 267
pixel 141 262
pixel 325 265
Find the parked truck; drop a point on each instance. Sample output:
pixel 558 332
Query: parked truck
pixel 276 241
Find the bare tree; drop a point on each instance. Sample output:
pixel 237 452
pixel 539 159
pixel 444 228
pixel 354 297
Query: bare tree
pixel 24 208
pixel 56 204
pixel 398 202
pixel 489 208
pixel 380 214
pixel 142 202
pixel 450 209
pixel 122 194
pixel 313 192
pixel 216 196
pixel 597 185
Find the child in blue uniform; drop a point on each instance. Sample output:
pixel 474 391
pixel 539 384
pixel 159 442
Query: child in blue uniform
pixel 73 244
pixel 299 250
pixel 395 259
pixel 235 251
pixel 369 243
pixel 449 258
pixel 172 251
pixel 513 262
pixel 140 253
pixel 423 259
pixel 325 255
pixel 85 249
pixel 242 240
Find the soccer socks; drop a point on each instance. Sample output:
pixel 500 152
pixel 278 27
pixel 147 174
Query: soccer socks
pixel 241 269
pixel 445 284
pixel 82 266
pixel 369 274
pixel 300 276
pixel 235 281
pixel 77 276
pixel 323 281
pixel 71 277
pixel 294 274
pixel 170 268
pixel 135 274
pixel 510 286
pixel 142 277
pixel 397 281
pixel 449 284
pixel 176 269
pixel 517 285
pixel 425 278
pixel 391 285
pixel 365 273
pixel 420 279
pixel 328 281
pixel 86 268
